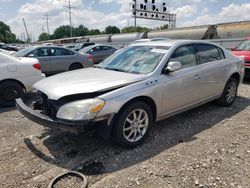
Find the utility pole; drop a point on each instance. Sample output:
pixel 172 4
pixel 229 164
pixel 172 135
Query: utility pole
pixel 47 21
pixel 28 38
pixel 135 13
pixel 69 7
pixel 43 29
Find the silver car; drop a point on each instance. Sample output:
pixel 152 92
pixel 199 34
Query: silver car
pixel 98 52
pixel 139 85
pixel 55 59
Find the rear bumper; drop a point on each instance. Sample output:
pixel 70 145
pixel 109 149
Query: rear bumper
pixel 36 116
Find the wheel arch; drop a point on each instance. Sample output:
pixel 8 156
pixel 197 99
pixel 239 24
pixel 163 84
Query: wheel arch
pixel 236 75
pixel 76 63
pixel 14 80
pixel 148 100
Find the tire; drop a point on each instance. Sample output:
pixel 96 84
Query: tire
pixel 229 94
pixel 75 66
pixel 128 119
pixel 9 91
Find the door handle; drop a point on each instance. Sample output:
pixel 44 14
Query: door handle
pixel 197 77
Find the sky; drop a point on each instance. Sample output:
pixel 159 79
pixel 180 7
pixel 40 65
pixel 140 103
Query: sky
pixel 101 13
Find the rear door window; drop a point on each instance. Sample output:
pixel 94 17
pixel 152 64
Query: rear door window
pixel 208 53
pixel 60 52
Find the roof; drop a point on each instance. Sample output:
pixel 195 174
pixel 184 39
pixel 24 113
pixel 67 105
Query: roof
pixel 168 42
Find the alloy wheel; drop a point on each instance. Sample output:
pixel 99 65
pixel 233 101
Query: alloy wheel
pixel 135 125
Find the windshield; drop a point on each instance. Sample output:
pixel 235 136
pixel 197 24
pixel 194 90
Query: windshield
pixel 244 46
pixel 136 59
pixel 22 52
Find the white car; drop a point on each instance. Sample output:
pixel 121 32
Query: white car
pixel 17 76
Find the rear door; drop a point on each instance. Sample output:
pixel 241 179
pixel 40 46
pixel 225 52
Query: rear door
pixel 213 66
pixel 61 59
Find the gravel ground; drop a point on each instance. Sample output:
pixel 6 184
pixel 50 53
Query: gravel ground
pixel 208 146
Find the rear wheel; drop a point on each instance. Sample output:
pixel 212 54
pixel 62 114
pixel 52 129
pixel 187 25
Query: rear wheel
pixel 230 92
pixel 132 125
pixel 75 66
pixel 9 91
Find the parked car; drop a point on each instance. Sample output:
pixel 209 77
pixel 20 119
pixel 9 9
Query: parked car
pixel 98 52
pixel 71 46
pixel 6 51
pixel 8 47
pixel 243 50
pixel 80 46
pixel 55 59
pixel 17 76
pixel 142 84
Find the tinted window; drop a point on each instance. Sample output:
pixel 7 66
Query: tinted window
pixel 185 55
pixel 42 52
pixel 60 52
pixel 207 53
pixel 106 48
pixel 95 49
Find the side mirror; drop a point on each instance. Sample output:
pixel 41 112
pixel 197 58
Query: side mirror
pixel 173 66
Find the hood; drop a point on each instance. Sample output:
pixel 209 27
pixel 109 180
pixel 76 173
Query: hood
pixel 246 54
pixel 84 81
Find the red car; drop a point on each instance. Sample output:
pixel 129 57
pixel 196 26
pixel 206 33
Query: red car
pixel 243 50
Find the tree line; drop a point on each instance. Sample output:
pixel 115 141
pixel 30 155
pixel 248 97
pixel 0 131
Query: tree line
pixel 6 35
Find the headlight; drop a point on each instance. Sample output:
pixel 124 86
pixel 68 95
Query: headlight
pixel 80 110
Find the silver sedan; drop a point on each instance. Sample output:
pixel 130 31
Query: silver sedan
pixel 55 59
pixel 139 85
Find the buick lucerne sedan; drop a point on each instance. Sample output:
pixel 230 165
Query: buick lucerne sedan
pixel 135 87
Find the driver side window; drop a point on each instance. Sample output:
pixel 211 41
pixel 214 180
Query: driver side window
pixel 186 55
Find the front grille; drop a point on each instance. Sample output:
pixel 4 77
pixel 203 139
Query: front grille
pixel 45 106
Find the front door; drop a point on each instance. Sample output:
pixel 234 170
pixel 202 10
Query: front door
pixel 181 88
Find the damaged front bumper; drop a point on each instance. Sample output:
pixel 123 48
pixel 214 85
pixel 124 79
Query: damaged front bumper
pixel 38 117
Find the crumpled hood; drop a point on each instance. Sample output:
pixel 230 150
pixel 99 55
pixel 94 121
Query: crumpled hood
pixel 84 81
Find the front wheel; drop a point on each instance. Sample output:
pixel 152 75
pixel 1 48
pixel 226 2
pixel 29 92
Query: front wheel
pixel 230 92
pixel 132 125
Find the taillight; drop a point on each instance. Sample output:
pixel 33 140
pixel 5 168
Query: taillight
pixel 37 66
pixel 90 57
